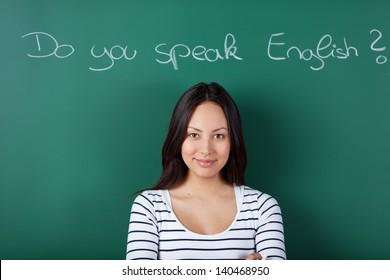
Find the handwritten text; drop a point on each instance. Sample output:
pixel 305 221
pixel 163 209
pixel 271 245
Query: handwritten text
pixel 278 49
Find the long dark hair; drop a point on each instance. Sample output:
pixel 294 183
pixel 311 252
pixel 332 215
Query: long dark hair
pixel 174 168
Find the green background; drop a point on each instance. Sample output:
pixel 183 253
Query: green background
pixel 76 143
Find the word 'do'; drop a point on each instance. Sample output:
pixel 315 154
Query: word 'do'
pixel 51 46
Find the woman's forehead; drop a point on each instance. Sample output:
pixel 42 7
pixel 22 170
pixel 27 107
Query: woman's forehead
pixel 208 116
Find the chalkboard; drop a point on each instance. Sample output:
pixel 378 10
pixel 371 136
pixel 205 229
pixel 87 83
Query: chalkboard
pixel 87 89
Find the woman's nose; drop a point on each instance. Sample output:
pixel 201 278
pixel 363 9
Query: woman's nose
pixel 205 148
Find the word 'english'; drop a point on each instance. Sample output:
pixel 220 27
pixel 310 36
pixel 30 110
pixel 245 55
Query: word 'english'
pixel 200 53
pixel 325 49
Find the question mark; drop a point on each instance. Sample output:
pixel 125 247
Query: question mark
pixel 381 59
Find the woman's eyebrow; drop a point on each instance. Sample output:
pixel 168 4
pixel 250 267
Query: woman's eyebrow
pixel 214 130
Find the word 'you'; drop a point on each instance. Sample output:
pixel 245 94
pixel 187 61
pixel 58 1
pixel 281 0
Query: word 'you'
pixel 278 49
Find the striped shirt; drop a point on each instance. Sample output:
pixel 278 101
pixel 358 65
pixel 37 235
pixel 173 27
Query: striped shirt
pixel 156 233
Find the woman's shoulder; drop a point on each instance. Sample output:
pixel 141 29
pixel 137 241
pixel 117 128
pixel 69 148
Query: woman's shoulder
pixel 252 194
pixel 151 196
pixel 151 202
pixel 250 191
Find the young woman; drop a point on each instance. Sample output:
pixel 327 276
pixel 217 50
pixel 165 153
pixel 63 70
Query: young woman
pixel 200 207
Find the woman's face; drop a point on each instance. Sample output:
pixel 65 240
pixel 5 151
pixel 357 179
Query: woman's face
pixel 206 147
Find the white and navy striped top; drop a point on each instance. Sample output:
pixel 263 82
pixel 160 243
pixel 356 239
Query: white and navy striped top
pixel 156 233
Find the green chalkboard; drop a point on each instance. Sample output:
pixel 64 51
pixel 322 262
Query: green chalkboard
pixel 87 89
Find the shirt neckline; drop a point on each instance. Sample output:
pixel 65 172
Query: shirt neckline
pixel 238 193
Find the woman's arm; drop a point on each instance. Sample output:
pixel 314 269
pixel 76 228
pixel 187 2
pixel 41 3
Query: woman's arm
pixel 270 233
pixel 142 240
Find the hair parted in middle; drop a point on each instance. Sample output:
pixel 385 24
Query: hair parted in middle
pixel 174 168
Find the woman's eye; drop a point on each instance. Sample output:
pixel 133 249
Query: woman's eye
pixel 219 136
pixel 193 135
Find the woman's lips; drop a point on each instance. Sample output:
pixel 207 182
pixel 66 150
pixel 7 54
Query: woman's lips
pixel 205 162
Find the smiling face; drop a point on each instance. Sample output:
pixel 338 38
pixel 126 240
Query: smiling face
pixel 206 147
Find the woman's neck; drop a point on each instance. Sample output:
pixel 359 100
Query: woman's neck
pixel 202 186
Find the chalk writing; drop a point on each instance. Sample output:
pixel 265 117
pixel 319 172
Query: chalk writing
pixel 325 48
pixel 121 53
pixel 381 59
pixel 200 52
pixel 278 49
pixel 52 49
